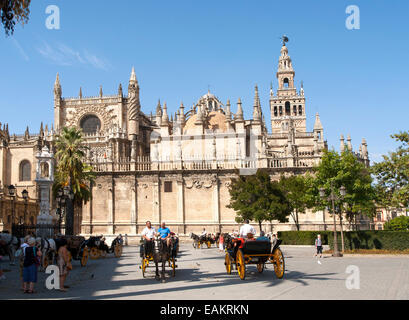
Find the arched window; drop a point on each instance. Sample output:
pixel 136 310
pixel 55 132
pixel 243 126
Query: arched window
pixel 295 110
pixel 275 112
pixel 287 108
pixel 300 110
pixel 25 171
pixel 45 170
pixel 281 110
pixel 286 82
pixel 90 124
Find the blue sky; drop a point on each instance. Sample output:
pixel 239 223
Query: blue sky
pixel 356 79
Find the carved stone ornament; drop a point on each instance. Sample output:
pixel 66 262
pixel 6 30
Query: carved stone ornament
pixel 103 112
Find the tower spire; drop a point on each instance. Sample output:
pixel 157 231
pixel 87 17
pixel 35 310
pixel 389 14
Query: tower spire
pixel 239 114
pixel 257 106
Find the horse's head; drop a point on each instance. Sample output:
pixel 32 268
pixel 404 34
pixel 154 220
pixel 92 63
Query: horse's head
pixel 228 241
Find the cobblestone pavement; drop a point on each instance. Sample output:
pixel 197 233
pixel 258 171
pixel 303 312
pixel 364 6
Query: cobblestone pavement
pixel 201 275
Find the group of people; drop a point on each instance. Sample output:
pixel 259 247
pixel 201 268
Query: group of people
pixel 29 256
pixel 149 234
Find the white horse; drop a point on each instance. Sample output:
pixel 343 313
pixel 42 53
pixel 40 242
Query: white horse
pixel 11 244
pixel 48 249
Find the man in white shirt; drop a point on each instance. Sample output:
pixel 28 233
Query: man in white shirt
pixel 246 229
pixel 204 232
pixel 148 235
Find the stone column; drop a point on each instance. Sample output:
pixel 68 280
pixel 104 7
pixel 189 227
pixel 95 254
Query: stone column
pixel 181 204
pixel 111 207
pixel 216 202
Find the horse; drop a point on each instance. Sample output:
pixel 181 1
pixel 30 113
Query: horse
pixel 162 253
pixel 9 245
pixel 48 248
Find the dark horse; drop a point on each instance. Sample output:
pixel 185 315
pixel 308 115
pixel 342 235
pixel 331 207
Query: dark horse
pixel 163 253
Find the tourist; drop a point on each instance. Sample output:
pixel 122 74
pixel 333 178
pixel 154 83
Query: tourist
pixel 21 260
pixel 204 233
pixel 318 246
pixel 262 237
pixel 164 233
pixel 247 231
pixel 221 243
pixel 148 236
pixel 31 255
pixel 64 264
pixel 274 240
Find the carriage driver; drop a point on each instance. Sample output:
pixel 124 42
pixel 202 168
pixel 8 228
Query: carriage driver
pixel 148 235
pixel 246 230
pixel 164 233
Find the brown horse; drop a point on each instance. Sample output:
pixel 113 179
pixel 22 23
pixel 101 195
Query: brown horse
pixel 163 253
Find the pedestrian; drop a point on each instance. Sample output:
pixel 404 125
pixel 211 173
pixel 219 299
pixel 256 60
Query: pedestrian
pixel 318 245
pixel 64 264
pixel 221 243
pixel 31 262
pixel 20 256
pixel 274 240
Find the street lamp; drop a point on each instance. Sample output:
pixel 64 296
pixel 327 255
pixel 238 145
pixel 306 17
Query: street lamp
pixel 24 193
pixel 332 198
pixel 12 194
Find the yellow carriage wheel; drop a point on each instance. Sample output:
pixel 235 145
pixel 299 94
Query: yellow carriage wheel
pixel 260 267
pixel 94 253
pixel 209 244
pixel 143 266
pixel 118 251
pixel 173 265
pixel 241 264
pixel 198 245
pixel 227 262
pixel 84 258
pixel 279 263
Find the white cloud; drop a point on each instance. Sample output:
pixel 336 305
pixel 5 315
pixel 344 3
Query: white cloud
pixel 64 55
pixel 21 50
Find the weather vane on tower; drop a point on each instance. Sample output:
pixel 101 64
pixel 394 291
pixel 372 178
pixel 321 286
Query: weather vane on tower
pixel 285 39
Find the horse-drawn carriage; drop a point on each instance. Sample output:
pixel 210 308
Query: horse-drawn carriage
pixel 98 247
pixel 204 240
pixel 156 251
pixel 240 253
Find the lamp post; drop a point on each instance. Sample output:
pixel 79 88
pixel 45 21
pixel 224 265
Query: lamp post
pixel 332 198
pixel 24 193
pixel 12 194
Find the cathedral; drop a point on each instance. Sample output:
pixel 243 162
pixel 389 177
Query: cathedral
pixel 177 168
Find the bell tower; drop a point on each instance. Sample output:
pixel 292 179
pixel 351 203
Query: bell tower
pixel 288 105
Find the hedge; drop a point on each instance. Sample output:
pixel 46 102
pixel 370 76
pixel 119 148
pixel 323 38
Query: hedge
pixel 385 240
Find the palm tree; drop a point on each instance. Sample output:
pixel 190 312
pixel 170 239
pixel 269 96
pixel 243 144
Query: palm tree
pixel 71 171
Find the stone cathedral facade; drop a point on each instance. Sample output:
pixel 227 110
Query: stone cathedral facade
pixel 178 167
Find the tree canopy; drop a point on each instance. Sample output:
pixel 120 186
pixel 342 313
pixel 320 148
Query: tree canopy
pixel 258 198
pixel 392 175
pixel 398 224
pixel 12 12
pixel 70 166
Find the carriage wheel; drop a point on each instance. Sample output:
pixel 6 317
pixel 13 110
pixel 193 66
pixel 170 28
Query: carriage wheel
pixel 173 267
pixel 94 253
pixel 209 244
pixel 260 267
pixel 118 250
pixel 227 262
pixel 143 267
pixel 279 264
pixel 241 264
pixel 84 258
pixel 198 245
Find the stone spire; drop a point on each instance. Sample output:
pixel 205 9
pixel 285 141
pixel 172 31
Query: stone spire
pixel 257 106
pixel 120 92
pixel 302 88
pixel 27 134
pixel 365 149
pixel 80 94
pixel 182 113
pixel 199 118
pixel 41 131
pixel 349 143
pixel 133 106
pixel 239 114
pixel 342 145
pixel 57 88
pixel 165 117
pixel 228 111
pixel 317 124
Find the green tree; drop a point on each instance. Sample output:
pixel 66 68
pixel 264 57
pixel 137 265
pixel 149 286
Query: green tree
pixel 344 170
pixel 392 175
pixel 259 199
pixel 70 166
pixel 295 189
pixel 12 12
pixel 398 224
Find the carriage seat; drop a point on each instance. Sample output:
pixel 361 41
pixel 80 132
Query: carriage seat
pixel 257 247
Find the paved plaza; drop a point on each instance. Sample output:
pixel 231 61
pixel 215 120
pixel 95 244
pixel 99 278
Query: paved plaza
pixel 201 275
